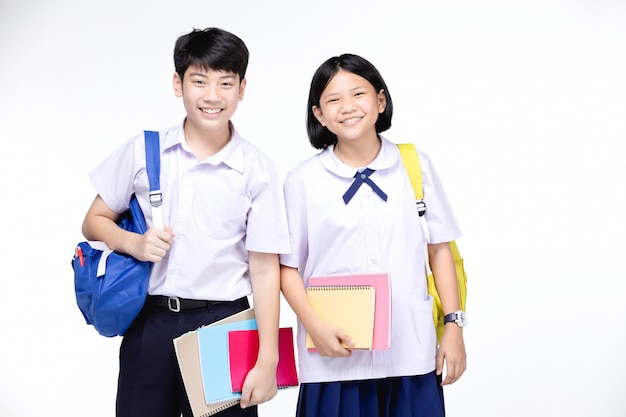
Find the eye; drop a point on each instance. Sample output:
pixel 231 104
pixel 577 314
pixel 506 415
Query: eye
pixel 198 82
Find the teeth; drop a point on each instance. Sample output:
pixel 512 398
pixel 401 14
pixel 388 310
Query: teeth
pixel 211 111
pixel 354 119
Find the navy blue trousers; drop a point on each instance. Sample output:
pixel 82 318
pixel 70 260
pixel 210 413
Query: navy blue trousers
pixel 149 382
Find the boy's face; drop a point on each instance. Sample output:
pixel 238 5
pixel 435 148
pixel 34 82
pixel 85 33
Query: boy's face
pixel 210 98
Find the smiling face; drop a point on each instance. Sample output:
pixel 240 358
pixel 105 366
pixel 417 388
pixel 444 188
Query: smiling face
pixel 210 98
pixel 349 107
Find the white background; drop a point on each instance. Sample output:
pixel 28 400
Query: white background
pixel 521 105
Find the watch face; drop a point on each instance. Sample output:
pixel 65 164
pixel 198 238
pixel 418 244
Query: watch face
pixel 461 319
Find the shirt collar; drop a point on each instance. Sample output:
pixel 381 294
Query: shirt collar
pixel 231 154
pixel 386 158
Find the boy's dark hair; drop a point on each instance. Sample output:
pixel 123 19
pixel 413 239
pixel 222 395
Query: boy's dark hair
pixel 320 136
pixel 211 49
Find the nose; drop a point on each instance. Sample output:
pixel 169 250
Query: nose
pixel 348 106
pixel 210 93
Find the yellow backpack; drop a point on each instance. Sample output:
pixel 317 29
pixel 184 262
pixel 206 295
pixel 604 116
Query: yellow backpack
pixel 411 162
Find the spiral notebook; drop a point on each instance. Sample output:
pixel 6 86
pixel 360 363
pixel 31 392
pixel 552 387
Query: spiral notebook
pixel 351 308
pixel 188 355
pixel 381 281
pixel 243 348
pixel 214 363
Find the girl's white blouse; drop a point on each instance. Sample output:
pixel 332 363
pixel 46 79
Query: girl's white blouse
pixel 368 235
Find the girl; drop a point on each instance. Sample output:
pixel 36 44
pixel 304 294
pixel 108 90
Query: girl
pixel 373 229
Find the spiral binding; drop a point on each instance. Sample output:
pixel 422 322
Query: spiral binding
pixel 219 408
pixel 279 386
pixel 339 287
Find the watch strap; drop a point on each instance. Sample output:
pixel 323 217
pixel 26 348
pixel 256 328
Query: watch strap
pixel 449 318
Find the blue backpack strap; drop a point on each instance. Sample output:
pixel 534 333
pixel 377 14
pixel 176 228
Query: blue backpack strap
pixel 153 169
pixel 153 159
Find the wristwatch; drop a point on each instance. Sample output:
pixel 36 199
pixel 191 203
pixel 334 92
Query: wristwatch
pixel 458 317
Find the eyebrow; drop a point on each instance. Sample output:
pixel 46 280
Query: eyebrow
pixel 352 90
pixel 204 75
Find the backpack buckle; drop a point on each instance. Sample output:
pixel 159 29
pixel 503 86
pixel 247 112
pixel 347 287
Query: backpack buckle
pixel 156 198
pixel 421 207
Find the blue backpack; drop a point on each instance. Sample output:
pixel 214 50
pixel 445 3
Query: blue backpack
pixel 111 287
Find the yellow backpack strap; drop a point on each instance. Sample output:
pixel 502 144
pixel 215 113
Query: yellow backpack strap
pixel 412 165
pixel 411 162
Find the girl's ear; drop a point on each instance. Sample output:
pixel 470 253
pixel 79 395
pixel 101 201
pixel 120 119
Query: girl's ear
pixel 178 85
pixel 317 112
pixel 382 101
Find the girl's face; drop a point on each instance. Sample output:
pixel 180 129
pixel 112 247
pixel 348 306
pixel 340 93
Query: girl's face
pixel 349 107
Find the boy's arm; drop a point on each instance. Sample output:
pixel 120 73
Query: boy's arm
pixel 260 383
pixel 452 347
pixel 100 223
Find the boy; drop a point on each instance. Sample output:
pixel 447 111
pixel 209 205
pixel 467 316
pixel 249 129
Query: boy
pixel 225 224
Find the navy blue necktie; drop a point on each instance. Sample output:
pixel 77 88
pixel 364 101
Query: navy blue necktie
pixel 360 178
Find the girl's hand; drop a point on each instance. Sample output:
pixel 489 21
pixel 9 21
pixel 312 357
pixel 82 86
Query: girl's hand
pixel 452 352
pixel 259 386
pixel 152 245
pixel 329 340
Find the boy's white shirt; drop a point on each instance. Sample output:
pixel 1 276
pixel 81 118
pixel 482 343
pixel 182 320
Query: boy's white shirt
pixel 369 235
pixel 219 209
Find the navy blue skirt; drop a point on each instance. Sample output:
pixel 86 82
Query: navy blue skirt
pixel 408 396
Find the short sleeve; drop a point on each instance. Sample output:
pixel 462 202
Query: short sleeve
pixel 295 202
pixel 267 220
pixel 115 178
pixel 442 223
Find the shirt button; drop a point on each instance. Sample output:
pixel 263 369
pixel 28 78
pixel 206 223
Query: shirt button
pixel 363 176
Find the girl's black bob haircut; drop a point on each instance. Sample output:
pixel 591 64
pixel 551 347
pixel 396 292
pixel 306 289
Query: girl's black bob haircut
pixel 319 136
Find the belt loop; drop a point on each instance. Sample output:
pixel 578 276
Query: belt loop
pixel 173 303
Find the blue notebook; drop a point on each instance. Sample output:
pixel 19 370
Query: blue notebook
pixel 214 364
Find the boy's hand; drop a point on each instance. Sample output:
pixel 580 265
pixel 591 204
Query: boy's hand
pixel 259 386
pixel 452 351
pixel 152 245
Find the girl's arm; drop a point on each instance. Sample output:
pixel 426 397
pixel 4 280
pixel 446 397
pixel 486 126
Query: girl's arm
pixel 100 223
pixel 327 338
pixel 260 383
pixel 452 348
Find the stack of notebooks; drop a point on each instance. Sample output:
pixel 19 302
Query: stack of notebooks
pixel 359 304
pixel 214 361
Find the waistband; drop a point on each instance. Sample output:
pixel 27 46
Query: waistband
pixel 177 304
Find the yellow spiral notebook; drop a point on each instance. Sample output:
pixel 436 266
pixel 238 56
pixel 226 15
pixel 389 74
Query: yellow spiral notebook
pixel 351 308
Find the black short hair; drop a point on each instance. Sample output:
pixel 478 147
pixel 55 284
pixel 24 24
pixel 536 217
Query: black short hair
pixel 319 136
pixel 211 48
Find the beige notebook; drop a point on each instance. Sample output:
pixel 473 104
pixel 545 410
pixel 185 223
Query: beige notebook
pixel 188 355
pixel 351 308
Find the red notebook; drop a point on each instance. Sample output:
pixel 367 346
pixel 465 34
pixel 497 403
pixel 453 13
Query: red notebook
pixel 382 302
pixel 243 348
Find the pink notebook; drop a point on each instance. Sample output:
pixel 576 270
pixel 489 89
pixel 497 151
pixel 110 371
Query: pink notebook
pixel 243 348
pixel 382 303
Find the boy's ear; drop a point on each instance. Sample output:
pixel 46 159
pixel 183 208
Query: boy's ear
pixel 242 88
pixel 178 85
